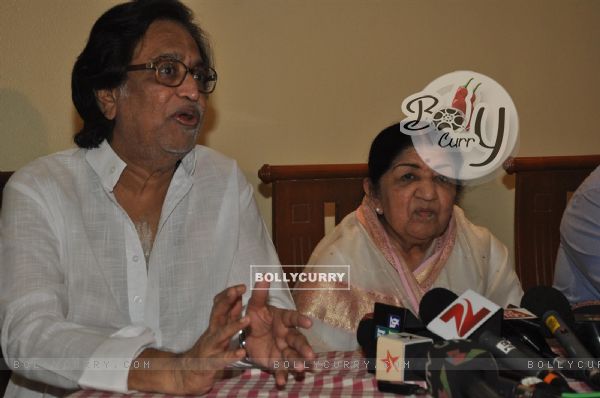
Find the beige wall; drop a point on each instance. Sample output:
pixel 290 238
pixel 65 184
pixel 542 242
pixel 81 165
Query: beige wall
pixel 312 81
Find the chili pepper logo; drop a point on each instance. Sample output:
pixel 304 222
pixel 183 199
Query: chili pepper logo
pixel 458 117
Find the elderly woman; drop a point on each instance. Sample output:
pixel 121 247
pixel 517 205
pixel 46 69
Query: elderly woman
pixel 407 237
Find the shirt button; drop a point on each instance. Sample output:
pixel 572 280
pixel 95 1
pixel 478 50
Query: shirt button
pixel 112 169
pixel 137 300
pixel 136 258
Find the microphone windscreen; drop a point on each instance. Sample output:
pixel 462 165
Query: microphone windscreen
pixel 541 299
pixel 365 333
pixel 434 302
pixel 587 324
pixel 390 318
pixel 587 310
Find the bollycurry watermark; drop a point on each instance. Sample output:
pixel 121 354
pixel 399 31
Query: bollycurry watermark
pixel 316 277
pixel 464 125
pixel 390 364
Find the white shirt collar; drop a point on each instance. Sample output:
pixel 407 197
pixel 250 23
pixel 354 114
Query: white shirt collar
pixel 109 166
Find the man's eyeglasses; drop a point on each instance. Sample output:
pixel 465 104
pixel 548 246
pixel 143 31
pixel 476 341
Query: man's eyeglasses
pixel 171 73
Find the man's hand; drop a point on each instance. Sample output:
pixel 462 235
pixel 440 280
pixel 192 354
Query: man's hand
pixel 196 370
pixel 272 335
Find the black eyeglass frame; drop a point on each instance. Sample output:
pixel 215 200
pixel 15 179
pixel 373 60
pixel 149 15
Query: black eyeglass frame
pixel 211 75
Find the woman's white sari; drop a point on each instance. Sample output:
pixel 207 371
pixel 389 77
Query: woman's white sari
pixel 465 257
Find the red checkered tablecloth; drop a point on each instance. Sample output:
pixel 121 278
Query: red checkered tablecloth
pixel 336 374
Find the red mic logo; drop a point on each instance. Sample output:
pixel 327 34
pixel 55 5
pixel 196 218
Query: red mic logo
pixel 464 321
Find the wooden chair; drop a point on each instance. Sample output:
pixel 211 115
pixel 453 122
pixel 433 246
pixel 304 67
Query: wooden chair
pixel 300 196
pixel 542 188
pixel 4 374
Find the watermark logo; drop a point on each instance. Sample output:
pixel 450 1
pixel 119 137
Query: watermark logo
pixel 315 277
pixel 464 125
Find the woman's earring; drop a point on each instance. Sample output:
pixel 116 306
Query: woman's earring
pixel 378 210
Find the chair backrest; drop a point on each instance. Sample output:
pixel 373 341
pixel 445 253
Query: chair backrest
pixel 301 195
pixel 542 188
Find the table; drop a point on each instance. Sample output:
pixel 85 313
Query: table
pixel 336 374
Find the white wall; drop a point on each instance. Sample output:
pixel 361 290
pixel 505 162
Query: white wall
pixel 313 81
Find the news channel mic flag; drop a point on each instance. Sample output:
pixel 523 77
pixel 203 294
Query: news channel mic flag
pixel 464 125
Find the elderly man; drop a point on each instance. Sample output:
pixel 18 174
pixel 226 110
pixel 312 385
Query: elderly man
pixel 124 248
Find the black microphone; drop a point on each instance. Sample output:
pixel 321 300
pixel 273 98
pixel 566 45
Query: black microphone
pixel 567 339
pixel 391 319
pixel 461 369
pixel 409 341
pixel 434 302
pixel 384 320
pixel 518 360
pixel 555 311
pixel 565 336
pixel 587 325
pixel 368 344
pixel 365 336
pixel 527 333
pixel 540 299
pixel 511 357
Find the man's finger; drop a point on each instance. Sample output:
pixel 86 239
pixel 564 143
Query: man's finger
pixel 281 376
pixel 220 361
pixel 236 310
pixel 298 342
pixel 232 356
pixel 226 333
pixel 224 302
pixel 260 295
pixel 294 319
pixel 290 355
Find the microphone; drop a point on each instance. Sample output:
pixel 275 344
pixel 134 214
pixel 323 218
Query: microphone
pixel 565 336
pixel 458 317
pixel 488 335
pixel 587 324
pixel 391 319
pixel 434 302
pixel 401 357
pixel 518 360
pixel 461 369
pixel 567 339
pixel 387 319
pixel 521 326
pixel 554 309
pixel 540 299
pixel 364 335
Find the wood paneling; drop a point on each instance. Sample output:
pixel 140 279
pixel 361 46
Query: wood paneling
pixel 299 196
pixel 542 188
